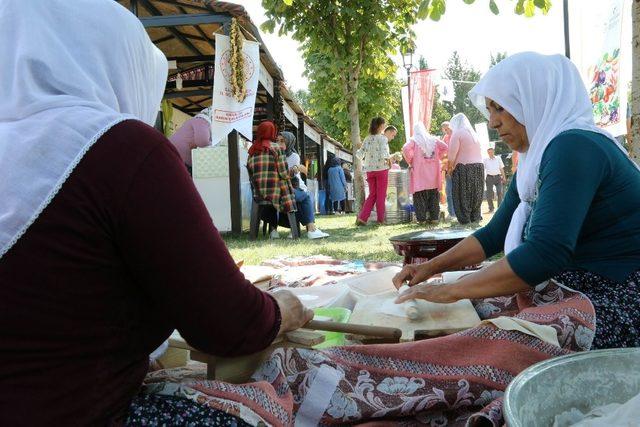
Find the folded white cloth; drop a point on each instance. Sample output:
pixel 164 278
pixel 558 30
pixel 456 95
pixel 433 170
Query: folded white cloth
pixel 614 414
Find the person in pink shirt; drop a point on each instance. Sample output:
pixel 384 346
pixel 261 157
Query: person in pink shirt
pixel 194 133
pixel 466 169
pixel 423 154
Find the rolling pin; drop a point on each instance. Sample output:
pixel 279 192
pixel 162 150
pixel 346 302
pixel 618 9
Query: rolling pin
pixel 410 307
pixel 365 330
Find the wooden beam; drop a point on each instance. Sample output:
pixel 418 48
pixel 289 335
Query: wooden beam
pixel 197 58
pixel 134 7
pixel 300 137
pixel 199 30
pixel 192 6
pixel 180 20
pixel 162 39
pixel 234 182
pixel 167 20
pixel 187 93
pixel 321 161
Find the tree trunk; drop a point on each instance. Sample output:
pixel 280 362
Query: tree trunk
pixel 354 131
pixel 634 140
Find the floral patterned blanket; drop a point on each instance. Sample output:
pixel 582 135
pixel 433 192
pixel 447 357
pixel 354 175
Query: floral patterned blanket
pixel 455 380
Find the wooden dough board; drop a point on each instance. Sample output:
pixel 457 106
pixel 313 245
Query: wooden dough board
pixel 437 320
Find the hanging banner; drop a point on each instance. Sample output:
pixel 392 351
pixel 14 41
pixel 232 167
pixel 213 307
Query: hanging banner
pixel 266 79
pixel 229 114
pixel 289 113
pixel 446 91
pixel 421 95
pixel 601 41
pixel 311 133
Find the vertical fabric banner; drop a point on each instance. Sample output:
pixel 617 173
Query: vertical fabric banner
pixel 229 114
pixel 421 96
pixel 601 41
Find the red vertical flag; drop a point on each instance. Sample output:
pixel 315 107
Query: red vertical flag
pixel 421 96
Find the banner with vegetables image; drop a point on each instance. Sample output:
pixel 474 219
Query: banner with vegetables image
pixel 605 84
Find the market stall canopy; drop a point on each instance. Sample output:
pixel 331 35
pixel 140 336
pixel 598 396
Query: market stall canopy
pixel 184 30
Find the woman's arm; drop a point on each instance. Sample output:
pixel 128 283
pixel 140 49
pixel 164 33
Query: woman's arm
pixel 552 234
pixel 454 147
pixel 281 161
pixel 468 252
pixel 181 264
pixel 408 151
pixel 201 133
pixel 364 147
pixel 498 279
pixel 343 180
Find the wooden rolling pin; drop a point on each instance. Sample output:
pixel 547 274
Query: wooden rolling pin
pixel 365 330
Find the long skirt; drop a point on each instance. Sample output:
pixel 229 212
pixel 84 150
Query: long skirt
pixel 617 305
pixel 468 189
pixel 427 202
pixel 164 410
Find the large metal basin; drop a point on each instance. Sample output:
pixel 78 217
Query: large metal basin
pixel 582 380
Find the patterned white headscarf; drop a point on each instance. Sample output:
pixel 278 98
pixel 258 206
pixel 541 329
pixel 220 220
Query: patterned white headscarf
pixel 70 70
pixel 426 142
pixel 546 94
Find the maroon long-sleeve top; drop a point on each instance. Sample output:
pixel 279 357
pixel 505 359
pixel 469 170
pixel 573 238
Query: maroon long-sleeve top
pixel 125 253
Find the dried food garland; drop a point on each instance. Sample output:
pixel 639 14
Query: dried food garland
pixel 238 87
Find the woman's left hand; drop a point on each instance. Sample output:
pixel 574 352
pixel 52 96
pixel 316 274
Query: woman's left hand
pixel 428 292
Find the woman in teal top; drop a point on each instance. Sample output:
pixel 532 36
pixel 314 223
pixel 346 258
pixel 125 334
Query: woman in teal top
pixel 572 212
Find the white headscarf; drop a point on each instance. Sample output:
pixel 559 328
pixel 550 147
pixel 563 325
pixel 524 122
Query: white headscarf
pixel 461 122
pixel 70 70
pixel 547 95
pixel 426 142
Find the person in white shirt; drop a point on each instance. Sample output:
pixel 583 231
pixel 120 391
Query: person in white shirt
pixel 494 170
pixel 306 212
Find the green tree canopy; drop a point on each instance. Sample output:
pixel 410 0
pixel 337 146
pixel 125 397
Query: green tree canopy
pixel 341 38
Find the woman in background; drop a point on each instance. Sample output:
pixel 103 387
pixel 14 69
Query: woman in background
pixel 338 185
pixel 269 173
pixel 194 133
pixel 306 211
pixel 102 203
pixel 467 170
pixel 375 156
pixel 423 153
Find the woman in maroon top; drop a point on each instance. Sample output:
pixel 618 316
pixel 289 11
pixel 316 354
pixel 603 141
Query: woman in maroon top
pixel 105 244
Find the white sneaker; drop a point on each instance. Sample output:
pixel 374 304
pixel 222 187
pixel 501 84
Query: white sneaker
pixel 317 234
pixel 274 234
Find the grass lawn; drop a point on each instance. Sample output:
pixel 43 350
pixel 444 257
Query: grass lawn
pixel 346 242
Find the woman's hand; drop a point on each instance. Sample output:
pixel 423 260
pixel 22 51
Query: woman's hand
pixel 413 273
pixel 294 315
pixel 428 292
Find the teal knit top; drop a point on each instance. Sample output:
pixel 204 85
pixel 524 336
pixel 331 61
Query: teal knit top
pixel 586 215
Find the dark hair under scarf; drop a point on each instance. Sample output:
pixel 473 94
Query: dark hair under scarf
pixel 290 141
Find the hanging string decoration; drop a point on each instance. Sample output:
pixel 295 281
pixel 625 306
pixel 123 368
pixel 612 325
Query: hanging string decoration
pixel 237 63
